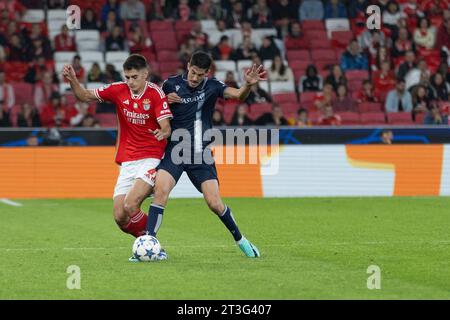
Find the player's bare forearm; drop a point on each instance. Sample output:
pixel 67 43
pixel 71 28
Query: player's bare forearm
pixel 80 93
pixel 239 94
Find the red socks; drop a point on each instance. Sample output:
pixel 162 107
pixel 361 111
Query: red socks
pixel 137 224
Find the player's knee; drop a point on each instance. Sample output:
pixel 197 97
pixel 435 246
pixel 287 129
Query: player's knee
pixel 131 205
pixel 161 194
pixel 215 205
pixel 120 216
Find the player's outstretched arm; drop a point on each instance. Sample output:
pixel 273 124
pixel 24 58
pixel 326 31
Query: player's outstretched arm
pixel 81 93
pixel 251 77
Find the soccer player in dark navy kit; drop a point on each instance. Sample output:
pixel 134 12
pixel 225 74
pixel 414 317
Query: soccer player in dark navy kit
pixel 192 98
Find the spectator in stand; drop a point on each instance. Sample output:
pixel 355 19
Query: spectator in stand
pixel 153 76
pixel 435 116
pixel 440 89
pixel 110 5
pixel 54 114
pixel 110 23
pixel 217 119
pixel 311 81
pixel 187 49
pixel 371 41
pixel 223 50
pixel 387 136
pixel 79 69
pixel 57 4
pixel 443 37
pixel 2 54
pixel 28 116
pixel 279 71
pixel 411 9
pixel 261 15
pixel 137 41
pixel 435 7
pixel 230 81
pixel 64 41
pixel 329 118
pixel 36 70
pixel 399 99
pixel 246 50
pixel 402 44
pixel 343 101
pixel 357 8
pixel 89 122
pixel 77 113
pixel 325 97
pixel 381 56
pixel 257 95
pixel 39 49
pixel 311 10
pixel 183 11
pixel 353 58
pixel 424 35
pixel 16 49
pixel 89 20
pixel 44 89
pixel 115 40
pixel 296 39
pixel 444 70
pixel 7 97
pixel 5 119
pixel 274 118
pixel 392 15
pixel 283 12
pixel 409 64
pixel 111 74
pixel 201 38
pixel 302 120
pixel 132 10
pixel 384 80
pixel 383 4
pixel 367 93
pixel 420 100
pixel 208 10
pixel 240 116
pixel 235 16
pixel 268 49
pixel 336 77
pixel 14 8
pixel 335 9
pixel 95 74
pixel 420 74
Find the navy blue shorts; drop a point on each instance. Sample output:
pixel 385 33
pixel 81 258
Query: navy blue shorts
pixel 197 173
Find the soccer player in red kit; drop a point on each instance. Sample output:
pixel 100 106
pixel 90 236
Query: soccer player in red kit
pixel 143 127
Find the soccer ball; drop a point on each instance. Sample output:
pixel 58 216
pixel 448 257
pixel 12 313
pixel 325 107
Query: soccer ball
pixel 146 248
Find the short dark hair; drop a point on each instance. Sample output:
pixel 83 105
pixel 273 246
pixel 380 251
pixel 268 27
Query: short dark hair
pixel 201 59
pixel 135 61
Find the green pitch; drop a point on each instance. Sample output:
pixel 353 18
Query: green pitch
pixel 311 249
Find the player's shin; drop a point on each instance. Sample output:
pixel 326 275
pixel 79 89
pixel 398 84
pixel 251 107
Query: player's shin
pixel 137 224
pixel 154 221
pixel 228 220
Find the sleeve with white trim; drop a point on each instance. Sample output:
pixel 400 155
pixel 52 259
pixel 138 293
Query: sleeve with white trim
pixel 105 93
pixel 161 106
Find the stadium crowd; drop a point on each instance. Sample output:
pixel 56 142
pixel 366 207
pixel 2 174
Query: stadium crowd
pixel 325 67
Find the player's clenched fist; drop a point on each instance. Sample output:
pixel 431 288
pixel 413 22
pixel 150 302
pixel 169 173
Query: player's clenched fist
pixel 69 73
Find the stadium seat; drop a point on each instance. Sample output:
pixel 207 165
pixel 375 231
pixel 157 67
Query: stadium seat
pixel 116 56
pixel 169 67
pixel 23 92
pixel 399 118
pixel 354 85
pixel 167 55
pixel 375 118
pixel 297 65
pixel 281 87
pixel 228 111
pixel 338 24
pixel 289 108
pixel 184 25
pixel 313 25
pixel 419 118
pixel 15 71
pixel 64 56
pixel 320 44
pixel 243 64
pixel 208 25
pixel 258 109
pixel 307 97
pixel 87 40
pixel 91 56
pixel 165 41
pixel 316 34
pixel 285 97
pixel 323 54
pixel 57 14
pixel 302 55
pixel 353 75
pixel 341 39
pixel 64 87
pixel 225 65
pixel 349 118
pixel 33 16
pixel 164 25
pixel 366 107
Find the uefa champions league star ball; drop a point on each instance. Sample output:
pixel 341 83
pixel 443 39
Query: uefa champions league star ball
pixel 146 248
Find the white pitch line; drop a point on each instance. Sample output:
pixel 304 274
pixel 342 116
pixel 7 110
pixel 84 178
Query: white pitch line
pixel 11 203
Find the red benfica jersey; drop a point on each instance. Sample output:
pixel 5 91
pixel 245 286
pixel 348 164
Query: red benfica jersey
pixel 137 115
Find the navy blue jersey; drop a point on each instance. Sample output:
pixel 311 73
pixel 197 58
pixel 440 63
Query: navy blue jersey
pixel 195 111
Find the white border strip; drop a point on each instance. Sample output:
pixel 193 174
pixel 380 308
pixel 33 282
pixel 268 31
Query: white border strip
pixel 10 203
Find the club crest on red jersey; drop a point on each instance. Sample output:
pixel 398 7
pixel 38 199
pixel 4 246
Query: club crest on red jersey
pixel 146 104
